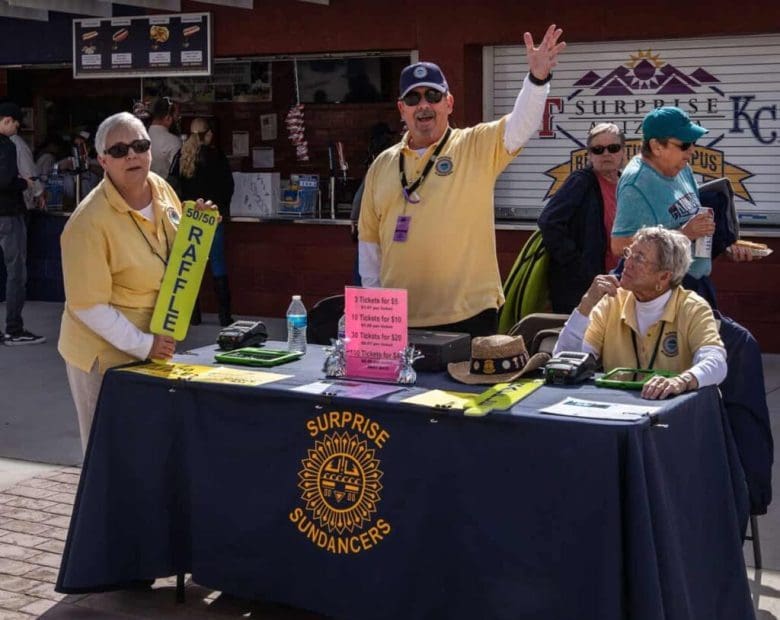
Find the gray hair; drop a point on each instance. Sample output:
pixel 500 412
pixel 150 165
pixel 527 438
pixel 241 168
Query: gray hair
pixel 606 128
pixel 122 119
pixel 674 250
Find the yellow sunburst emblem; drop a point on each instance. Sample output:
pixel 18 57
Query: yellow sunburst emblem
pixel 648 55
pixel 340 482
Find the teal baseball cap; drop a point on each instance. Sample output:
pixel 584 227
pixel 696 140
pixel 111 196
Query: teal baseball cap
pixel 671 122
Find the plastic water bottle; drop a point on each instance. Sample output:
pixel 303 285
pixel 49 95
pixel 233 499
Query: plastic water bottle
pixel 342 328
pixel 55 186
pixel 296 325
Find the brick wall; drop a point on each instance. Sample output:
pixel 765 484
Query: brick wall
pixel 269 262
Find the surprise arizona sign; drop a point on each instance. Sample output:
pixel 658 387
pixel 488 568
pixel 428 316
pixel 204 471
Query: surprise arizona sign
pixel 730 85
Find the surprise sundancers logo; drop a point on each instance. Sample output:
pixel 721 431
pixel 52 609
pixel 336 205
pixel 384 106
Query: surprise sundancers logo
pixel 444 166
pixel 173 215
pixel 420 72
pixel 340 483
pixel 670 346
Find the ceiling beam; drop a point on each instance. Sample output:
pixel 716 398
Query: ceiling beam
pixel 238 4
pixel 79 7
pixel 19 12
pixel 162 5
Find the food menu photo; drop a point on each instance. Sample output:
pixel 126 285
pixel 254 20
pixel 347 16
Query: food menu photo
pixel 142 46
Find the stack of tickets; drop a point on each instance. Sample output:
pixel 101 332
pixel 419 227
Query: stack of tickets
pixel 295 131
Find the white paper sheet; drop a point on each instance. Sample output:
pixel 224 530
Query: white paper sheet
pixel 350 389
pixel 581 408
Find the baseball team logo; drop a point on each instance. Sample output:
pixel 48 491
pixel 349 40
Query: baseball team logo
pixel 624 94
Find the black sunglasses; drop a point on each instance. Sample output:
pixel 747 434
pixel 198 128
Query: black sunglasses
pixel 120 149
pixel 431 96
pixel 683 146
pixel 612 148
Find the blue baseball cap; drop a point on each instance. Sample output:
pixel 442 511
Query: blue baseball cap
pixel 422 74
pixel 671 122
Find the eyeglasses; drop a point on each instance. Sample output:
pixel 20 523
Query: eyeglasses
pixel 612 148
pixel 431 96
pixel 637 257
pixel 683 146
pixel 120 149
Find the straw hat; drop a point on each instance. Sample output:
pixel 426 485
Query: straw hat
pixel 496 359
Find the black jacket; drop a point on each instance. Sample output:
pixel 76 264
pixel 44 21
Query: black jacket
pixel 572 226
pixel 213 179
pixel 11 184
pixel 744 395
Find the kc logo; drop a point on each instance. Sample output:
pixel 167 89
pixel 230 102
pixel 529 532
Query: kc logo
pixel 340 483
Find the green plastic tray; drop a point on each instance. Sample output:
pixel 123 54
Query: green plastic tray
pixel 254 356
pixel 630 378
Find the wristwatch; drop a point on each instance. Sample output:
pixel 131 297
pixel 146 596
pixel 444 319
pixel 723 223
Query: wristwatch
pixel 688 378
pixel 535 80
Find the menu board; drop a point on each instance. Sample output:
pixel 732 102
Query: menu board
pixel 151 45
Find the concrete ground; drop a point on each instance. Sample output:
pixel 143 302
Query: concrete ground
pixel 36 499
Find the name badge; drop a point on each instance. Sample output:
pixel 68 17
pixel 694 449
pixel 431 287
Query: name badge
pixel 402 225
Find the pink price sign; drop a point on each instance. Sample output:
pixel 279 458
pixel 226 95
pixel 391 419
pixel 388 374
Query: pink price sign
pixel 376 332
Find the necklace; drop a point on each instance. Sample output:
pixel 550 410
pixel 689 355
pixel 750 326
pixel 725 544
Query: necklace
pixel 410 191
pixel 655 350
pixel 149 243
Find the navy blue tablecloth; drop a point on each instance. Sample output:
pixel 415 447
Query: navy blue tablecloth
pixel 519 515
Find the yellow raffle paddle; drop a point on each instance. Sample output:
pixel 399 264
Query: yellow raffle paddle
pixel 186 264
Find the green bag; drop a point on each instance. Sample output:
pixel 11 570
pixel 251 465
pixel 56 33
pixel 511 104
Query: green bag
pixel 526 287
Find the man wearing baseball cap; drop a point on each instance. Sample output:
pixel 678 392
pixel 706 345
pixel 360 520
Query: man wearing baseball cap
pixel 13 230
pixel 426 218
pixel 657 187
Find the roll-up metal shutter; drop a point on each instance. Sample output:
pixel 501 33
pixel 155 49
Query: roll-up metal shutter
pixel 730 85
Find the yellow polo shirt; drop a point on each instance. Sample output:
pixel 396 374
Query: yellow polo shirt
pixel 113 255
pixel 448 262
pixel 688 325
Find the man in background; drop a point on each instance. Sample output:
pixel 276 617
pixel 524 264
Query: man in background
pixel 33 196
pixel 13 229
pixel 165 144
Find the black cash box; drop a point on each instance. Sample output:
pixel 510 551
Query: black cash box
pixel 439 348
